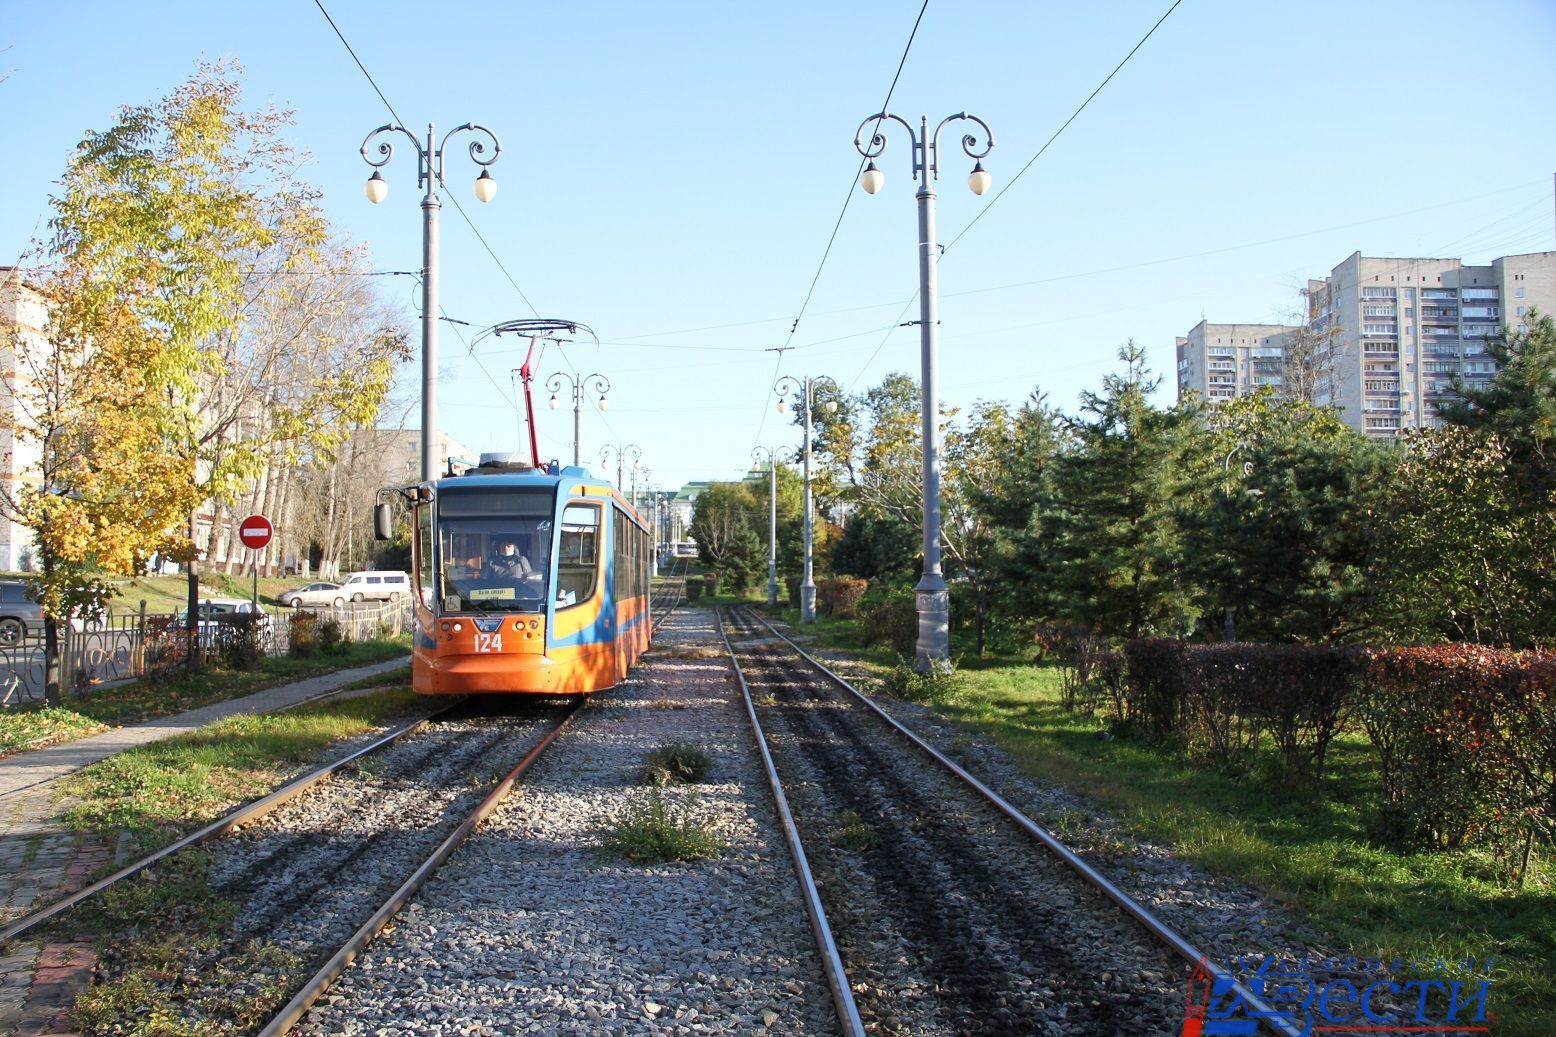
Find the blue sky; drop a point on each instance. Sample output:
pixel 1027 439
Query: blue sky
pixel 671 174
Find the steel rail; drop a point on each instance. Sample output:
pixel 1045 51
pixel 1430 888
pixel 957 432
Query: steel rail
pixel 294 1009
pixel 221 826
pixel 1158 928
pixel 836 974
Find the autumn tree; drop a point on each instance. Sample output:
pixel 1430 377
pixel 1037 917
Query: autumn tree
pixel 192 206
pixel 86 422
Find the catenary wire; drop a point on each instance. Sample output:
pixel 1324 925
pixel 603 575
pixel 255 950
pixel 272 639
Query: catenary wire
pixel 995 200
pixel 847 200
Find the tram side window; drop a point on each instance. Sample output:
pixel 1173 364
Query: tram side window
pixel 579 557
pixel 424 550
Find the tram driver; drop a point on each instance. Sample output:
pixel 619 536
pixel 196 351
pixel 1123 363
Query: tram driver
pixel 506 562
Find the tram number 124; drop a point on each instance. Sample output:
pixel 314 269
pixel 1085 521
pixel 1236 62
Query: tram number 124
pixel 488 642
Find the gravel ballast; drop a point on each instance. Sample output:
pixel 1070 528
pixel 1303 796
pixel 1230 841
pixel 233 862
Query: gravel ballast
pixel 527 930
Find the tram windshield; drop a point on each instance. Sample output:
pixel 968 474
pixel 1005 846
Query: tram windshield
pixel 494 549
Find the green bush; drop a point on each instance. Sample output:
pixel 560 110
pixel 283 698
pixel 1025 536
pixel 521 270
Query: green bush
pixel 839 596
pixel 890 618
pixel 936 686
pixel 332 636
pixel 237 637
pixel 302 634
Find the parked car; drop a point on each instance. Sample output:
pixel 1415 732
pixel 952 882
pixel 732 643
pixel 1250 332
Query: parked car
pixel 314 594
pixel 216 613
pixel 19 614
pixel 21 617
pixel 377 585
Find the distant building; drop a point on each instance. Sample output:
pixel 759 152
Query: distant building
pixel 1393 332
pixel 680 509
pixel 1224 361
pixel 21 310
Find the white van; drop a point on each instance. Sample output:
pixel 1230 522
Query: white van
pixel 377 585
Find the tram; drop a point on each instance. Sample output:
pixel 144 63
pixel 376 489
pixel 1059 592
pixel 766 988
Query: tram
pixel 530 579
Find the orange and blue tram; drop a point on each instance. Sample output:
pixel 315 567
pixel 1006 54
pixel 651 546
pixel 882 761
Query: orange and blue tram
pixel 529 580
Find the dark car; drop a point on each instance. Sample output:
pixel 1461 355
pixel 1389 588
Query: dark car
pixel 19 614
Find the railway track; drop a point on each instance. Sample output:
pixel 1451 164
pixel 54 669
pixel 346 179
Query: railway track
pixel 949 911
pixel 313 871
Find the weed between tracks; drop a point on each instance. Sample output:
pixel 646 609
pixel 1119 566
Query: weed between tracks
pixel 648 829
pixel 676 762
pixel 853 833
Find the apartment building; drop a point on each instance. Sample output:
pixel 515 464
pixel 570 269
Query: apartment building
pixel 1390 335
pixel 22 315
pixel 1223 361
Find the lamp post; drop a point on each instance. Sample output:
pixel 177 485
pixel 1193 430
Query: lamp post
pixel 772 519
pixel 933 600
pixel 638 471
pixel 655 495
pixel 620 452
pixel 429 173
pixel 579 386
pixel 806 387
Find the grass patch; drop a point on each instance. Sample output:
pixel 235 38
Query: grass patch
pixel 1307 850
pixel 676 762
pixel 649 829
pixel 157 791
pixel 22 726
pixel 853 833
pixel 163 967
pixel 33 726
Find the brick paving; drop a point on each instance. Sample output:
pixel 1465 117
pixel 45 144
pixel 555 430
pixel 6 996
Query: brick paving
pixel 41 860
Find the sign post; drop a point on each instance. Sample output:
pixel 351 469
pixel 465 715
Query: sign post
pixel 255 532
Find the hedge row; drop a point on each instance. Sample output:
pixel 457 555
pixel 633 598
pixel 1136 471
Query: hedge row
pixel 1465 735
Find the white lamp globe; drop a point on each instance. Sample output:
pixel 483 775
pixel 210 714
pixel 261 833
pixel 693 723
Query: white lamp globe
pixel 376 188
pixel 979 179
pixel 872 179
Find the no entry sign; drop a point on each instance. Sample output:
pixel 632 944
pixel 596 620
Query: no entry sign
pixel 255 531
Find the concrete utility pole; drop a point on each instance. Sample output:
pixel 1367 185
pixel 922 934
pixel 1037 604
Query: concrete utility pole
pixel 806 388
pixel 772 519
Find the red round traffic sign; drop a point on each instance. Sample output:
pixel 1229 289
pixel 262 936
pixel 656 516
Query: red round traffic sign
pixel 254 531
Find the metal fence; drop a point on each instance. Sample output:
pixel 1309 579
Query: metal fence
pixel 127 644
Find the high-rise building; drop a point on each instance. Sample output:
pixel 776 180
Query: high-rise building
pixel 1224 361
pixel 1387 336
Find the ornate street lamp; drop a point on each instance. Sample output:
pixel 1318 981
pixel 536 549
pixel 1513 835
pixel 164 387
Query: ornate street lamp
pixel 429 174
pixel 806 388
pixel 631 450
pixel 933 599
pixel 579 385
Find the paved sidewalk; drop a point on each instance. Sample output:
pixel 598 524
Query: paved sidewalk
pixel 40 860
pixel 27 770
